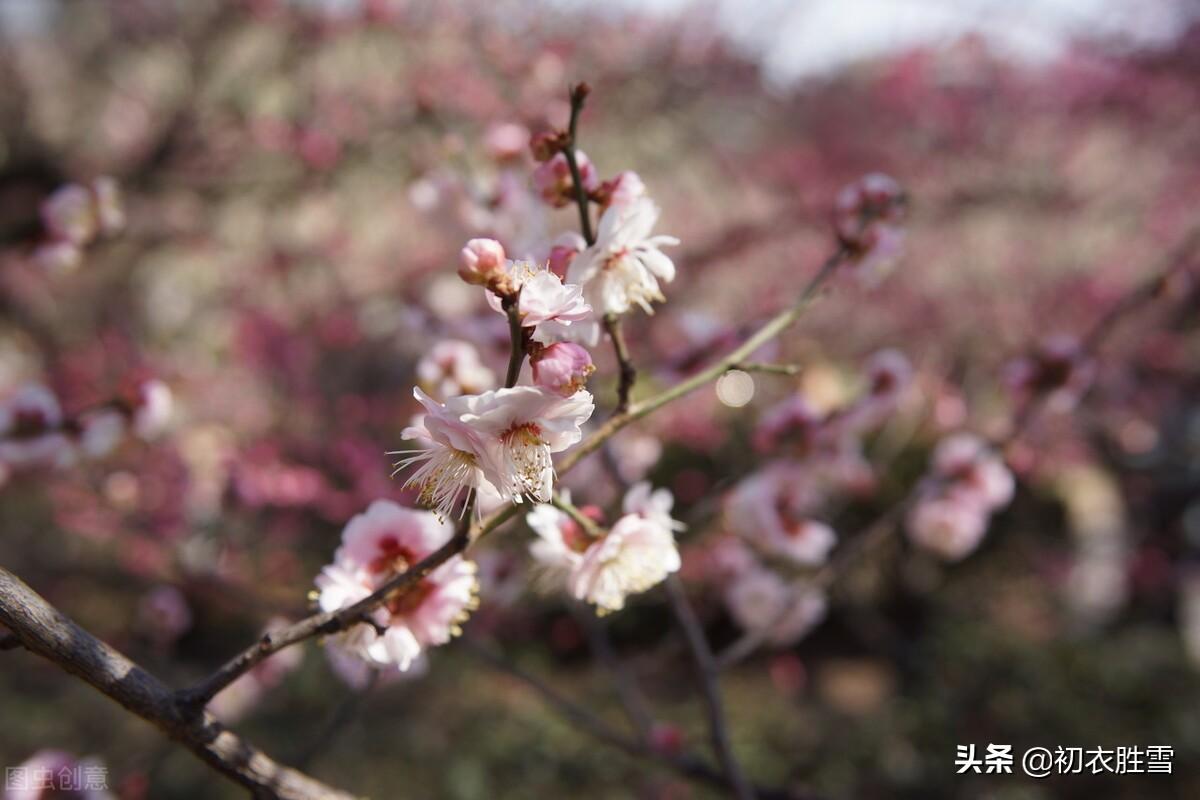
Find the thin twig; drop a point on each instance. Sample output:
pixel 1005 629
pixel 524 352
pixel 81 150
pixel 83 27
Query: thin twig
pixel 706 669
pixel 771 369
pixel 579 95
pixel 628 376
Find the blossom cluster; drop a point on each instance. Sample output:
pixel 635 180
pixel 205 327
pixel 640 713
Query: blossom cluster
pixel 476 445
pixel 73 217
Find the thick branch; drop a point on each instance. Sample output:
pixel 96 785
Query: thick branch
pixel 44 630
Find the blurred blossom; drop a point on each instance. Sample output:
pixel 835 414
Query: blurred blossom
pixel 165 613
pixel 949 527
pixel 69 216
pixel 152 409
pixel 101 432
pixel 772 509
pixel 552 179
pixel 759 600
pixel 867 217
pixel 452 367
pixel 622 190
pixel 506 141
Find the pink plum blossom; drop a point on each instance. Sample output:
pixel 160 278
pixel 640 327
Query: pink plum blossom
pixel 563 368
pixel 772 510
pixel 481 261
pixel 378 544
pixel 950 527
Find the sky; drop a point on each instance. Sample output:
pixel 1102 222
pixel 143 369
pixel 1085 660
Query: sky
pixel 797 38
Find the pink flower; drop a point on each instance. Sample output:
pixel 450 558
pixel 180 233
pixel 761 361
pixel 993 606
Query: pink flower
pixel 760 601
pixel 973 471
pixel 452 368
pixel 794 420
pixel 771 509
pixel 552 178
pixel 888 374
pixel 504 438
pixel 560 541
pixel 481 261
pixel 950 527
pixel 546 303
pixel 377 545
pixel 636 554
pixel 563 368
pixel 101 431
pixel 625 266
pixel 645 501
pixel 30 430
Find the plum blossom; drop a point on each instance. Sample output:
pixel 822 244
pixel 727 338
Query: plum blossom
pixel 31 433
pixel 645 501
pixel 504 438
pixel 561 541
pixel 552 178
pixel 759 600
pixel 563 251
pixel 68 215
pixel 949 527
pixel 546 303
pixel 152 408
pixel 377 545
pixel 637 553
pixel 453 367
pixel 562 368
pixel 969 482
pixel 772 510
pixel 626 265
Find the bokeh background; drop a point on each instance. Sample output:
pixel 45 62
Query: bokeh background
pixel 298 179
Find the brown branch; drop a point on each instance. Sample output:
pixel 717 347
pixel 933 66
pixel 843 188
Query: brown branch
pixel 612 324
pixel 707 672
pixel 45 631
pixel 579 95
pixel 511 305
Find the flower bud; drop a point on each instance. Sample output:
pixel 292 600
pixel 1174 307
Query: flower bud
pixel 481 260
pixel 544 145
pixel 563 368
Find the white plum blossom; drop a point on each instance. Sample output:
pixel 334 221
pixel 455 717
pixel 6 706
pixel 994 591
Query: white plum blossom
pixel 645 501
pixel 152 412
pixel 561 541
pixel 626 266
pixel 637 553
pixel 772 510
pixel 503 437
pixel 377 545
pixel 453 367
pixel 761 601
pixel 948 527
pixel 31 435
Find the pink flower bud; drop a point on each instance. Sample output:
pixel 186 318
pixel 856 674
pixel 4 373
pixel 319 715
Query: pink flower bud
pixel 544 145
pixel 563 368
pixel 552 178
pixel 481 260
